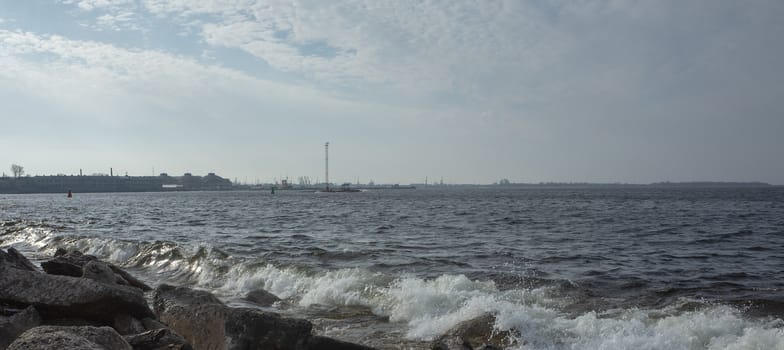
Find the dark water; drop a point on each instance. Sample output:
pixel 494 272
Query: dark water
pixel 567 268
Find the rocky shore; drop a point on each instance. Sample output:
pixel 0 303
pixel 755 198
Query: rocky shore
pixel 76 301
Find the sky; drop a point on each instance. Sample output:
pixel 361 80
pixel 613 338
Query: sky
pixel 465 91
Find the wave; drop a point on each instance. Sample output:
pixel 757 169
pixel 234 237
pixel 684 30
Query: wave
pixel 422 308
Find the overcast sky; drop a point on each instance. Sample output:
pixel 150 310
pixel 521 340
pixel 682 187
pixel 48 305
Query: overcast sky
pixel 471 91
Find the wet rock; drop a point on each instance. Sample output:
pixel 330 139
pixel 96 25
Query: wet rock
pixel 162 338
pixel 207 323
pixel 67 264
pixel 125 325
pixel 11 327
pixel 57 337
pixel 132 281
pixel 98 271
pixel 324 343
pixel 69 297
pixel 261 297
pixel 13 258
pixel 254 329
pixel 72 263
pixel 474 334
pixel 152 324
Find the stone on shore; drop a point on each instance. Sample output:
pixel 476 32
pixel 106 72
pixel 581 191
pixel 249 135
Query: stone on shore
pixel 162 338
pixel 58 337
pixel 261 297
pixel 11 327
pixel 207 324
pixel 72 263
pixel 475 334
pixel 15 259
pixel 70 297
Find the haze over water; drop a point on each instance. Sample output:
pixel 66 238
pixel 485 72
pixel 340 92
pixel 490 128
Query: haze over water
pixel 637 268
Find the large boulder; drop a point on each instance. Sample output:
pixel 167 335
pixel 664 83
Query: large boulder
pixel 13 258
pixel 475 334
pixel 57 337
pixel 69 297
pixel 207 324
pixel 73 263
pixel 11 327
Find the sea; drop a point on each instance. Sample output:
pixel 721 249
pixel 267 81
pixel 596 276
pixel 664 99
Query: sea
pixel 560 268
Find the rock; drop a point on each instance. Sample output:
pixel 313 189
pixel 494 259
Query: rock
pixel 69 297
pixel 125 325
pixel 68 264
pixel 72 263
pixel 58 337
pixel 324 343
pixel 261 297
pixel 12 327
pixel 478 333
pixel 196 315
pixel 98 271
pixel 254 329
pixel 206 323
pixel 13 258
pixel 151 324
pixel 162 338
pixel 133 281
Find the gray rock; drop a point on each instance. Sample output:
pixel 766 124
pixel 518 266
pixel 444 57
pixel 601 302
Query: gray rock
pixel 67 264
pixel 206 323
pixel 12 327
pixel 98 271
pixel 132 281
pixel 151 324
pixel 13 258
pixel 69 297
pixel 324 343
pixel 261 297
pixel 475 334
pixel 162 338
pixel 125 325
pixel 72 263
pixel 253 329
pixel 58 337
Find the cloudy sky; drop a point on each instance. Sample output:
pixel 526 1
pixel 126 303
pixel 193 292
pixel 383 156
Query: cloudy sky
pixel 471 91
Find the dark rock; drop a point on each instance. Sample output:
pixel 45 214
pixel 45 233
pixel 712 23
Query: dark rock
pixel 125 325
pixel 162 338
pixel 98 271
pixel 254 329
pixel 13 258
pixel 57 337
pixel 68 297
pixel 151 324
pixel 324 343
pixel 133 281
pixel 68 264
pixel 261 297
pixel 72 263
pixel 60 251
pixel 207 323
pixel 12 327
pixel 475 334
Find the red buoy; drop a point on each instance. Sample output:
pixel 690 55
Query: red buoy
pixel 70 195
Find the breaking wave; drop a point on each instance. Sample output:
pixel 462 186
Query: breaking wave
pixel 422 308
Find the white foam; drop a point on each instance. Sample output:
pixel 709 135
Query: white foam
pixel 427 308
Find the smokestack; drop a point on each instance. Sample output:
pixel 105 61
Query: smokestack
pixel 111 172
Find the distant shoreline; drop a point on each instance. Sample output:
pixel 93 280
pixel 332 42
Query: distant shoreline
pixel 212 182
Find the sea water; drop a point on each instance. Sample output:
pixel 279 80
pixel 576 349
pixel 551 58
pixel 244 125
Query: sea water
pixel 565 268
